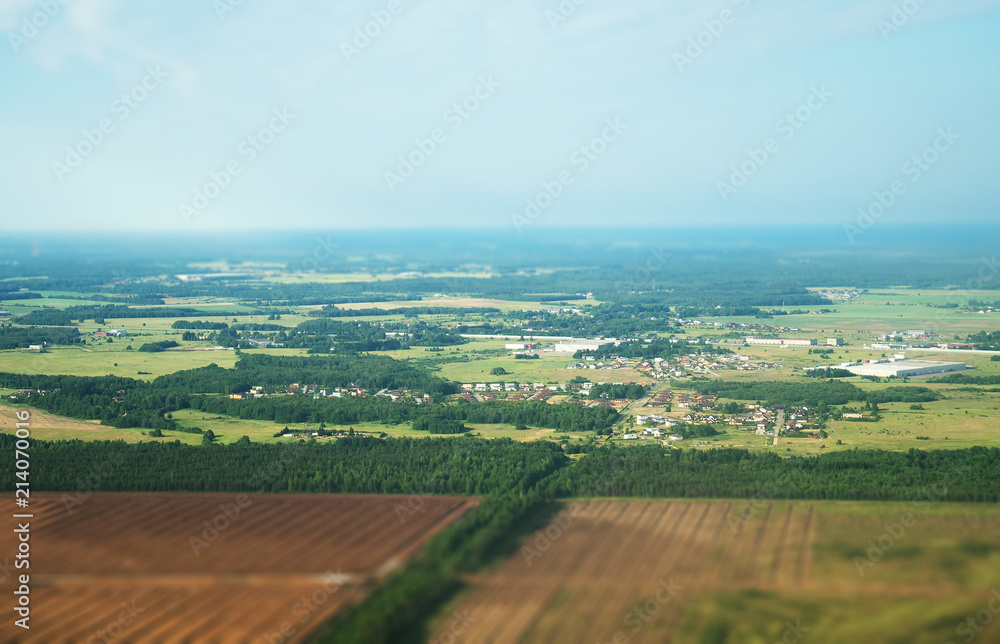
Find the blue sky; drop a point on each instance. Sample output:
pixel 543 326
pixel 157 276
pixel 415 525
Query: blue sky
pixel 263 115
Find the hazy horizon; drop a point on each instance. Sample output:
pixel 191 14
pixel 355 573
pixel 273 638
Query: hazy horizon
pixel 240 115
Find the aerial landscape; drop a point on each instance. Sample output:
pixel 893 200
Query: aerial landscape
pixel 545 323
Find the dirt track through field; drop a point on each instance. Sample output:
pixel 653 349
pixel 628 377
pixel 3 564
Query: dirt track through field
pixel 210 567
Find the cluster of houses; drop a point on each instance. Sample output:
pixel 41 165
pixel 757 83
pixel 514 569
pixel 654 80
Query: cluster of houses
pixel 758 419
pixel 589 362
pixel 314 390
pixel 513 391
pixel 651 432
pixel 27 393
pixel 696 401
pixel 111 333
pixel 841 295
pixel 514 387
pixel 704 362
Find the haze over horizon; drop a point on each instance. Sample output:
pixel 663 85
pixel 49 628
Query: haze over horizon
pixel 664 119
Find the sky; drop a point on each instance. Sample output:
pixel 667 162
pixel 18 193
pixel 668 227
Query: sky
pixel 205 115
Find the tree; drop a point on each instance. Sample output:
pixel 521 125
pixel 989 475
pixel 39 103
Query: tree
pixel 208 437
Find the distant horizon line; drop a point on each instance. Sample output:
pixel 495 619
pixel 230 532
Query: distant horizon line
pixel 625 228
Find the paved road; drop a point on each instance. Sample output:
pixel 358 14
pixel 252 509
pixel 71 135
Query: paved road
pixel 638 404
pixel 778 424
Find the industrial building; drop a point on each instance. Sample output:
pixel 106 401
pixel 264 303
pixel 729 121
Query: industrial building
pixel 835 342
pixel 900 368
pixel 889 346
pixel 581 345
pixel 780 342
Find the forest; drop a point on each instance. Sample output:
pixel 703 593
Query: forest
pixel 970 475
pixel 362 465
pixel 344 411
pixel 332 311
pixel 20 337
pixel 471 466
pixel 66 316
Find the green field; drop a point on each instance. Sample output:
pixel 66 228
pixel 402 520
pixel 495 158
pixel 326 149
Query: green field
pixel 935 574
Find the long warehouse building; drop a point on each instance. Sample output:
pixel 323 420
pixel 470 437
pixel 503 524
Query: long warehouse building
pixel 780 342
pixel 902 368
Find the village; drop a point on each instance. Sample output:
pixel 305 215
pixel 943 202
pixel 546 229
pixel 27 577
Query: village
pixel 697 416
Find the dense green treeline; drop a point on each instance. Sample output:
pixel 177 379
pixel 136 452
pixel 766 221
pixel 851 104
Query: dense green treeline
pixel 252 369
pixel 986 341
pixel 157 347
pixel 344 411
pixel 332 311
pixel 398 610
pixel 454 466
pixel 200 325
pixel 66 316
pixel 115 401
pixel 966 379
pixel 650 350
pixel 323 335
pixel 19 295
pixel 472 466
pixel 618 392
pixel 970 475
pixel 19 337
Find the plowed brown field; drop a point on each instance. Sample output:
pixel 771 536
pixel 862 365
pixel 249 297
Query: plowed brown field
pixel 632 571
pixel 146 568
